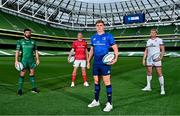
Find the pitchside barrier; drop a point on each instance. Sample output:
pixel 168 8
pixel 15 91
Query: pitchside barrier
pixel 5 53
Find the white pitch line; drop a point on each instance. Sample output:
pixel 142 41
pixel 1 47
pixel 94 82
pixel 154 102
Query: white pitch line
pixel 54 78
pixel 5 53
pixel 44 53
pixel 6 84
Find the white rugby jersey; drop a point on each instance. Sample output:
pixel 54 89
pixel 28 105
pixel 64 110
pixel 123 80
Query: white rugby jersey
pixel 153 46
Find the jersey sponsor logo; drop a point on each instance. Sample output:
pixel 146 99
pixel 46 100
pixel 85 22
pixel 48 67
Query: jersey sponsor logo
pixel 104 38
pixel 99 43
pixel 81 46
pixel 151 45
pixel 27 46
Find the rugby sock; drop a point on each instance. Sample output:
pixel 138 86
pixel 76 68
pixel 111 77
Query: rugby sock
pixel 32 79
pixel 73 77
pixel 109 93
pixel 20 82
pixel 84 75
pixel 149 78
pixel 97 90
pixel 161 81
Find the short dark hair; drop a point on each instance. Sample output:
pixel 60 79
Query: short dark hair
pixel 27 29
pixel 100 21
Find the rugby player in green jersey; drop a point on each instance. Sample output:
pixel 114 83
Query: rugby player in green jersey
pixel 27 50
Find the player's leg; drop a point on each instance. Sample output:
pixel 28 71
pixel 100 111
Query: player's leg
pixel 32 80
pixel 31 67
pixel 21 81
pixel 83 71
pixel 73 77
pixel 74 73
pixel 107 82
pixel 161 79
pixel 106 72
pixel 149 78
pixel 97 89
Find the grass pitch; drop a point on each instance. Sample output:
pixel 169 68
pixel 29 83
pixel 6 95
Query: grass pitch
pixel 56 96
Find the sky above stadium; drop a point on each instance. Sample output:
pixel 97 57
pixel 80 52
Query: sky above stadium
pixel 101 1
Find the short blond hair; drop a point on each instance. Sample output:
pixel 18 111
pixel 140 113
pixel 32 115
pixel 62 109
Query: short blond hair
pixel 154 30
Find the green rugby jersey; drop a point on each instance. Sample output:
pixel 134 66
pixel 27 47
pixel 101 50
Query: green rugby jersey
pixel 27 48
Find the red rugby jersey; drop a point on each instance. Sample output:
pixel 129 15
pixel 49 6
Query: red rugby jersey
pixel 80 49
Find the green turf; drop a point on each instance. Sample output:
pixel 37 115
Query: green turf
pixel 56 97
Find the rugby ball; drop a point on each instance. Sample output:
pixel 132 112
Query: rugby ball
pixel 71 59
pixel 108 58
pixel 19 66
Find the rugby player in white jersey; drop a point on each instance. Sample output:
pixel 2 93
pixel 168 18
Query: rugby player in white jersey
pixel 154 46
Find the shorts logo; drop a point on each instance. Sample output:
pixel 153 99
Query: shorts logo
pixel 109 71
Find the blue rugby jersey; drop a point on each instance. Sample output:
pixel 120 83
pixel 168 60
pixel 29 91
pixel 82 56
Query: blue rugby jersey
pixel 101 44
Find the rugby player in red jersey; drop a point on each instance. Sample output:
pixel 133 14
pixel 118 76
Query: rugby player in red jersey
pixel 79 46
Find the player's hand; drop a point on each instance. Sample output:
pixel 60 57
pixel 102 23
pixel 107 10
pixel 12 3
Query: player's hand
pixel 161 57
pixel 37 62
pixel 88 65
pixel 112 62
pixel 144 62
pixel 68 59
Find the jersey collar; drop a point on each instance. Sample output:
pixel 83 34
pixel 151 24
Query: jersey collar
pixel 27 39
pixel 101 34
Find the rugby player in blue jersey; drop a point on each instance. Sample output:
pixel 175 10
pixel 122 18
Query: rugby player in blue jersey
pixel 100 45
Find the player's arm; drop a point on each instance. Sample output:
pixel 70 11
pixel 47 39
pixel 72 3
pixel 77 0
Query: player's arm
pixel 86 54
pixel 18 48
pixel 37 57
pixel 162 49
pixel 16 57
pixel 71 52
pixel 115 48
pixel 91 53
pixel 144 57
pixel 36 54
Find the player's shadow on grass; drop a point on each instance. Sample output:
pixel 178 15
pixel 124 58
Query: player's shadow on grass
pixel 78 96
pixel 129 100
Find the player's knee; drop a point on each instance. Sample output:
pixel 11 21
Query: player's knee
pixel 75 70
pixel 159 74
pixel 83 69
pixel 22 73
pixel 107 82
pixel 31 73
pixel 149 73
pixel 96 80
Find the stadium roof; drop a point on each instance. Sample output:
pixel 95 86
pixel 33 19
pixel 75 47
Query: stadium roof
pixel 84 13
pixel 101 1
